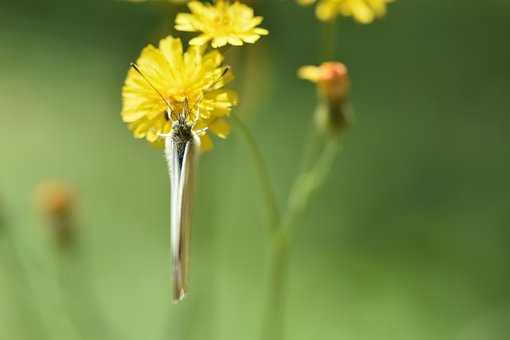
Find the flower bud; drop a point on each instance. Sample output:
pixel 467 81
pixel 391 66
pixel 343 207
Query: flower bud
pixel 56 201
pixel 333 85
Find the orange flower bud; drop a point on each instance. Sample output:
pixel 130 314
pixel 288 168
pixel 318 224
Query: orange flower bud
pixel 333 82
pixel 56 200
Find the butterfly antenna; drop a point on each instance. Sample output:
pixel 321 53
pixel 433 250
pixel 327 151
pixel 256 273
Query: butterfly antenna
pixel 137 69
pixel 225 71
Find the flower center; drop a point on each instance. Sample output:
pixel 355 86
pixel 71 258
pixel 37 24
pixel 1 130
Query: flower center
pixel 222 22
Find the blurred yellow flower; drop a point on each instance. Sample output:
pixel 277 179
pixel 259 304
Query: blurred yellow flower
pixel 363 11
pixel 222 23
pixel 191 82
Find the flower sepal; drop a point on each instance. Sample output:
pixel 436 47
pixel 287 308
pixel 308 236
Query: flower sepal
pixel 332 116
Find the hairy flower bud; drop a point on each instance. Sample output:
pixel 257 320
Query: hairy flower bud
pixel 333 85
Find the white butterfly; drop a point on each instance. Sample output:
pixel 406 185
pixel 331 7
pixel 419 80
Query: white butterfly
pixel 181 150
pixel 182 147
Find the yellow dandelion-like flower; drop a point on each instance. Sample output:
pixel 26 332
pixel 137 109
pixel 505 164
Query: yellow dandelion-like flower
pixel 190 82
pixel 363 11
pixel 221 23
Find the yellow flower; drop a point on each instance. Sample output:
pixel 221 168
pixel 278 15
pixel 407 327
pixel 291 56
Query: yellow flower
pixel 191 82
pixel 222 23
pixel 363 11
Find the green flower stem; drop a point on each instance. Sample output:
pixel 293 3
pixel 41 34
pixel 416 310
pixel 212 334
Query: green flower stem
pixel 310 181
pixel 265 179
pixel 312 148
pixel 23 289
pixel 273 327
pixel 328 40
pixel 303 188
pixel 79 296
pixel 281 228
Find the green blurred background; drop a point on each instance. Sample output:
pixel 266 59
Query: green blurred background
pixel 409 238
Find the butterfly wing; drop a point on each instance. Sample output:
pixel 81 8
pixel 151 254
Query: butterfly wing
pixel 182 158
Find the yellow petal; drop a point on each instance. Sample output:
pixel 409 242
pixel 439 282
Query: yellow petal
pixel 261 31
pixel 128 117
pixel 206 143
pixel 220 127
pixel 219 42
pixel 326 10
pixel 378 6
pixel 235 41
pixel 152 135
pixel 311 73
pixel 184 22
pixel 250 38
pixel 255 21
pixel 213 59
pixel 196 7
pixel 362 12
pixel 171 48
pixel 192 58
pixel 200 40
pixel 140 129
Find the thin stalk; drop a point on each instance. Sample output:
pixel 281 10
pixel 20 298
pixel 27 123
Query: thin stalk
pixel 274 317
pixel 24 291
pixel 311 150
pixel 265 179
pixel 79 296
pixel 328 42
pixel 274 320
pixel 273 327
pixel 303 188
pixel 310 181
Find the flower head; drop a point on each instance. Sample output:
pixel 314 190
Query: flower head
pixel 190 82
pixel 222 23
pixel 363 11
pixel 331 77
pixel 333 82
